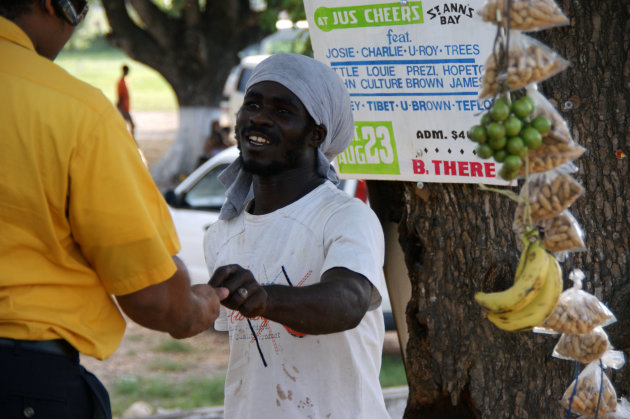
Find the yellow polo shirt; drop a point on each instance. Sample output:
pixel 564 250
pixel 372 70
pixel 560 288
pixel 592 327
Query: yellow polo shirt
pixel 80 216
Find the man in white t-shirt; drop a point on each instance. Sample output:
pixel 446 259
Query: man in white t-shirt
pixel 302 259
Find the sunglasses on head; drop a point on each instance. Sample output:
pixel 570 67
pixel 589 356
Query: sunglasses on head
pixel 68 11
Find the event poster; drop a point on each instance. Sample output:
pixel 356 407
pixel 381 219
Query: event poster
pixel 413 70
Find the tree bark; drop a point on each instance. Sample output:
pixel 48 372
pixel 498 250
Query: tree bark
pixel 459 240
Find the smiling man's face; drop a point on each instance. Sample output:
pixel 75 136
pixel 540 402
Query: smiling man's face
pixel 273 129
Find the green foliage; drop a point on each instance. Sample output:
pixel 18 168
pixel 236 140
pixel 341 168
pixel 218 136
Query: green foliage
pixel 392 371
pixel 174 346
pixel 100 66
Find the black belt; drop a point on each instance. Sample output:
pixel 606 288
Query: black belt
pixel 55 347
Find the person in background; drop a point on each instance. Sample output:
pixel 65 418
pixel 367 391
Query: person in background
pixel 303 261
pixel 216 142
pixel 84 230
pixel 123 103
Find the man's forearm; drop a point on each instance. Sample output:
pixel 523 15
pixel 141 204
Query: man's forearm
pixel 326 307
pixel 173 306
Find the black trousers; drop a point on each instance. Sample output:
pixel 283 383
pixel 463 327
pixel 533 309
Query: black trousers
pixel 43 385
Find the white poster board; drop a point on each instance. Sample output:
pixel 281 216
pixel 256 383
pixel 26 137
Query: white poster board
pixel 413 70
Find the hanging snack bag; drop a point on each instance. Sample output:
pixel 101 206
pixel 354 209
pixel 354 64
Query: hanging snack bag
pixel 583 347
pixel 591 393
pixel 577 311
pixel 559 129
pixel 621 412
pixel 548 194
pixel 524 15
pixel 528 61
pixel 563 234
pixel 558 147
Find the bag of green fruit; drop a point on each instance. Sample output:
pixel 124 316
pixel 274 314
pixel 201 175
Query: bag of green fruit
pixel 528 61
pixel 555 147
pixel 563 234
pixel 545 196
pixel 523 15
pixel 591 393
pixel 508 133
pixel 577 311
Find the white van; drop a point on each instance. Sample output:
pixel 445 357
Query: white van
pixel 234 89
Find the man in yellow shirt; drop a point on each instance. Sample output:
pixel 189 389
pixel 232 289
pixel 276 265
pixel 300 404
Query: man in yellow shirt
pixel 83 228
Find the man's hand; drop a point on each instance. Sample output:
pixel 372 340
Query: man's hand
pixel 246 296
pixel 174 306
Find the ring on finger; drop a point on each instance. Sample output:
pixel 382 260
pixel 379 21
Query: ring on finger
pixel 242 292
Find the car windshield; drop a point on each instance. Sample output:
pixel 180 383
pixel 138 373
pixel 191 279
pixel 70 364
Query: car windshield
pixel 209 192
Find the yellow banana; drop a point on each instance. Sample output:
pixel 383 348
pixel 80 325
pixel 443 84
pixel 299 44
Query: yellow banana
pixel 530 279
pixel 540 309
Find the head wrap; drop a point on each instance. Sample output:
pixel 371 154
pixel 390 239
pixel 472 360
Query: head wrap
pixel 326 99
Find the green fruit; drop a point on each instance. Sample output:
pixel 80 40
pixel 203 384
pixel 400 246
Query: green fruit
pixel 485 119
pixel 512 163
pixel 497 143
pixel 530 101
pixel 522 107
pixel 477 133
pixel 542 124
pixel 515 146
pixel 499 111
pixel 506 174
pixel 495 130
pixel 484 151
pixel 512 126
pixel 500 155
pixel 531 138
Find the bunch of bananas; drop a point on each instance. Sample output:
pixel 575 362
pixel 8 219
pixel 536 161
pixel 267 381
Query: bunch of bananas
pixel 533 296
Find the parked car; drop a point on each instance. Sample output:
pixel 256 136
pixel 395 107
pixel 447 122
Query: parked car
pixel 234 88
pixel 195 203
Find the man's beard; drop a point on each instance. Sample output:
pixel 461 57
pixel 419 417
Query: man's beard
pixel 274 168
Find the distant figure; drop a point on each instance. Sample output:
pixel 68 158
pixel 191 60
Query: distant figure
pixel 217 141
pixel 123 99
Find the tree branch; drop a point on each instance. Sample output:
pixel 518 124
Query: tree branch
pixel 191 13
pixel 157 23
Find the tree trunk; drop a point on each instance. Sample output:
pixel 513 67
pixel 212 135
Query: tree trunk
pixel 459 240
pixel 183 154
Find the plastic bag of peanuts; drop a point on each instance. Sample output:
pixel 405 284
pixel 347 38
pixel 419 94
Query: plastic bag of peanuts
pixel 545 196
pixel 524 15
pixel 583 347
pixel 621 412
pixel 528 61
pixel 558 147
pixel 563 234
pixel 591 393
pixel 577 311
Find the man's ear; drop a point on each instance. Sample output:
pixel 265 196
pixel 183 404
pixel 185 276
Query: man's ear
pixel 319 134
pixel 48 7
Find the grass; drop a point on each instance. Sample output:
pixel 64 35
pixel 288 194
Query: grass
pixel 162 392
pixel 168 365
pixel 173 346
pixel 392 371
pixel 198 392
pixel 100 66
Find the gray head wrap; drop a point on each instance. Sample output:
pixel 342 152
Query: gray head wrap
pixel 326 99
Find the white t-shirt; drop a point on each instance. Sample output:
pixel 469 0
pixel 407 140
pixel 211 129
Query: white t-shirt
pixel 322 376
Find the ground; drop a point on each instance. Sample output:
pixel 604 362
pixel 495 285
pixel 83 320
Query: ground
pixel 142 350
